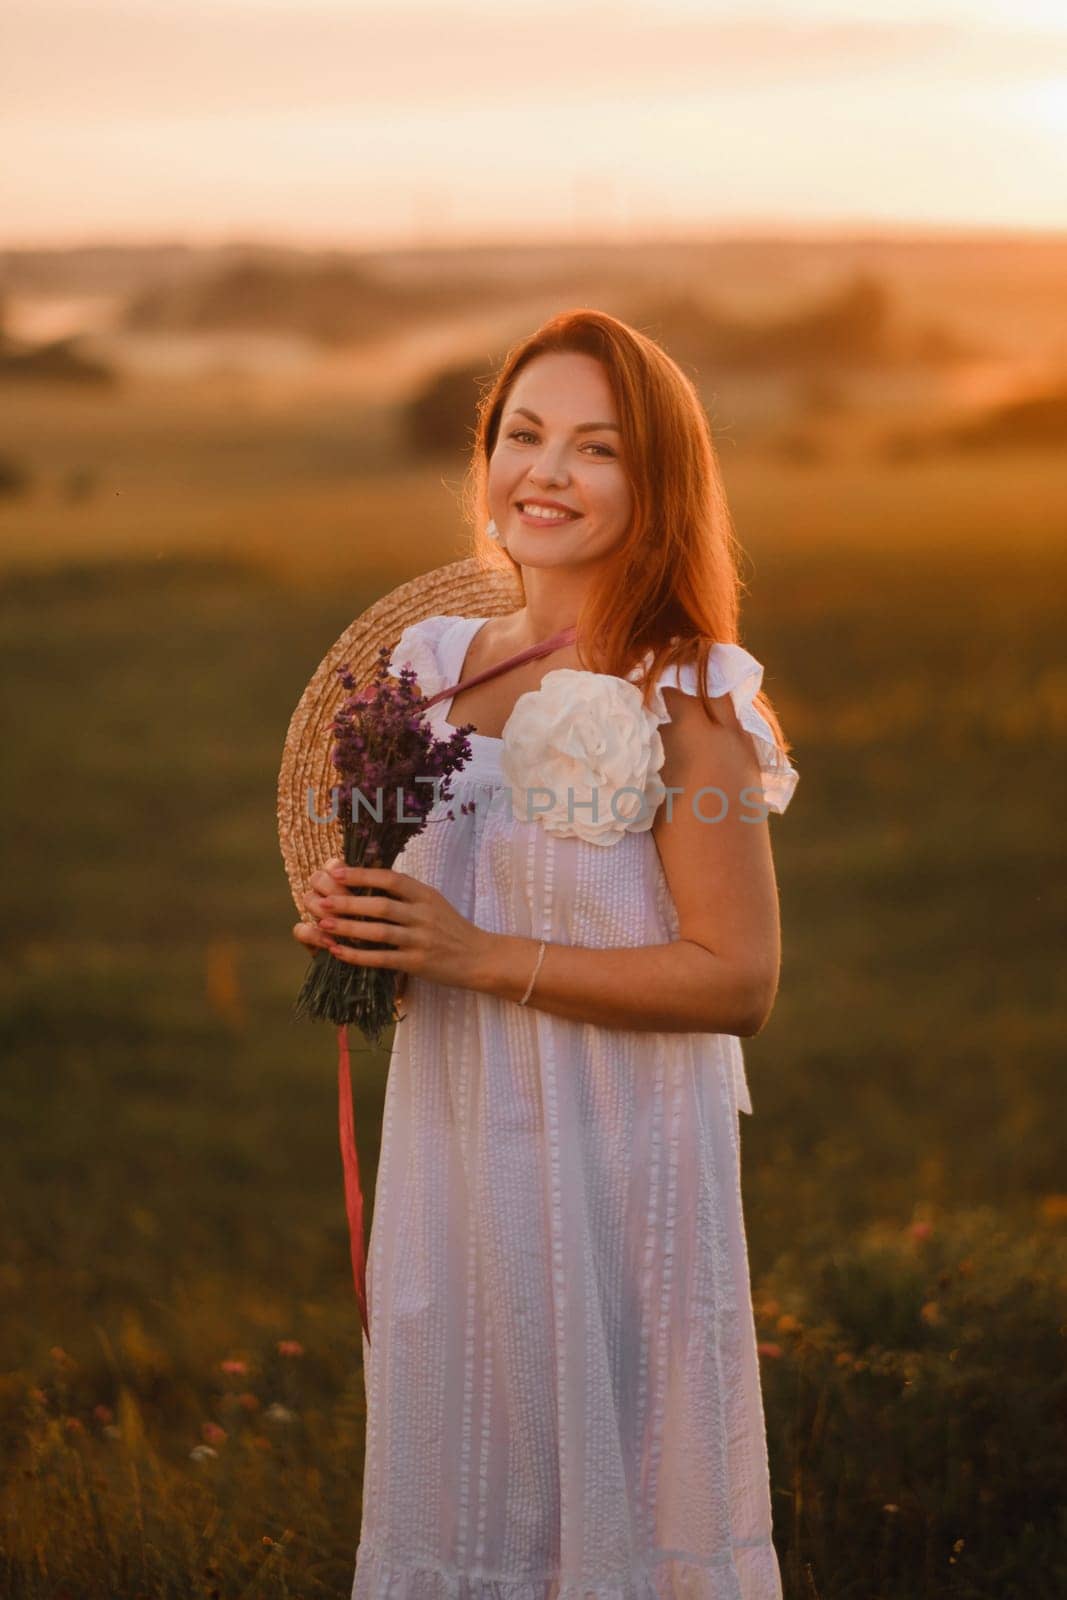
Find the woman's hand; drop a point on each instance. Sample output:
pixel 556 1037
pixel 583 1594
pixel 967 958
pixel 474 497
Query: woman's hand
pixel 419 931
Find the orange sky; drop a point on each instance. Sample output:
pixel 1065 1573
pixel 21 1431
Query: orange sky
pixel 342 121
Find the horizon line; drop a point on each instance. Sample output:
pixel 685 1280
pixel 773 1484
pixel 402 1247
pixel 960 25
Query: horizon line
pixel 501 237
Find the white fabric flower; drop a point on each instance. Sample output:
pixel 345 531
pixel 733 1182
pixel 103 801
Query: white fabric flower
pixel 580 736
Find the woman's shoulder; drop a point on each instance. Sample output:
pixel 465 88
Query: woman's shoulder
pixel 429 630
pixel 425 646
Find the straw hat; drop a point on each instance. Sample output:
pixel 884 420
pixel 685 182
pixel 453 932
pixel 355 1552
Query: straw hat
pixel 461 589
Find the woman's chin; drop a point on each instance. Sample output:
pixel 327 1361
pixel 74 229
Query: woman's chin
pixel 540 551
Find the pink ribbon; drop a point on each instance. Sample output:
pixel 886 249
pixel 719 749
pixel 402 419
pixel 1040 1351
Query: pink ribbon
pixel 350 1163
pixel 532 651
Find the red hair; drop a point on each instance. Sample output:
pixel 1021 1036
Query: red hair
pixel 672 586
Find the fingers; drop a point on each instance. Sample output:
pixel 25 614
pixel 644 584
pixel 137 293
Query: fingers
pixel 368 958
pixel 330 895
pixel 307 933
pixel 399 885
pixel 381 907
pixel 386 932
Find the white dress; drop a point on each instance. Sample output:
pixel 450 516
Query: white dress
pixel 563 1390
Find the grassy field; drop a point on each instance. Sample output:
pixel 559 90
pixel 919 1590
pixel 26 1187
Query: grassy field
pixel 306 485
pixel 171 1196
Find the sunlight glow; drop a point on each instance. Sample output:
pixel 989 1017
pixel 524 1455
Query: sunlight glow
pixel 361 121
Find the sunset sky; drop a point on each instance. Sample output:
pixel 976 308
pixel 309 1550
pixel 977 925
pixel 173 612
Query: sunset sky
pixel 350 122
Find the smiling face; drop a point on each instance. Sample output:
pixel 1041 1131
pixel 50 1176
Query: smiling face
pixel 546 451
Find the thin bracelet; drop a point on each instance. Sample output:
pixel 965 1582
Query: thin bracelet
pixel 536 970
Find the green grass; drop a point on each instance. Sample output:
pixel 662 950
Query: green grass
pixel 171 1191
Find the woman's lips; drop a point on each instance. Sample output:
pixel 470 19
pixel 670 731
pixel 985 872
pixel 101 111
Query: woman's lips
pixel 534 521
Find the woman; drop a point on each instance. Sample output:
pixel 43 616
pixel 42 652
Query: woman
pixel 562 1383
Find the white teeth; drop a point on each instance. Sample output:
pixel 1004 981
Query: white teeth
pixel 545 514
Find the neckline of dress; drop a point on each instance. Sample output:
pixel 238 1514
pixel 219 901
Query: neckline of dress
pixel 491 739
pixel 482 738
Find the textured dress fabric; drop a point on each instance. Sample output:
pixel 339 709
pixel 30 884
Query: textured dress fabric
pixel 562 1381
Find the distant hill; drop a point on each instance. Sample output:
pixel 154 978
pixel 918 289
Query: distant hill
pixel 1034 422
pixel 331 299
pixel 749 301
pixel 854 324
pixel 58 361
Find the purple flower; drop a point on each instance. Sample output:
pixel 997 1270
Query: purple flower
pixel 383 745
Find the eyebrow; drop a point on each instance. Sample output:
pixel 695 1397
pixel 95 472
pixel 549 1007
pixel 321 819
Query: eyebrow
pixel 583 427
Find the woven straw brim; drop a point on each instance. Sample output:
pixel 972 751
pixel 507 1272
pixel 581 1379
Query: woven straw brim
pixel 462 589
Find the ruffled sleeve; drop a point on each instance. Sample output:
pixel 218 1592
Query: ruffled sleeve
pixel 733 671
pixel 417 648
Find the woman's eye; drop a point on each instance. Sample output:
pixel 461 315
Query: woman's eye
pixel 519 433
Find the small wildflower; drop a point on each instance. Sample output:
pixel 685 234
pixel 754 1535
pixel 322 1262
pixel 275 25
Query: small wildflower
pixel 60 1357
pixel 279 1413
pixel 931 1314
pixel 202 1452
pixel 843 1358
pixel 249 1401
pixel 1054 1208
pixel 262 1443
pixel 112 1431
pixel 234 1368
pixel 772 1351
pixel 40 1396
pixel 73 1424
pixel 921 1230
pixel 290 1347
pixel 213 1433
pixel 788 1324
pixel 891 1509
pixel 103 1413
pixel 769 1309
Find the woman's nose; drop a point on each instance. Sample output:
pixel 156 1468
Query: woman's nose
pixel 548 475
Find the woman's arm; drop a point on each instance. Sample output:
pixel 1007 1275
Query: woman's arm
pixel 721 974
pixel 661 988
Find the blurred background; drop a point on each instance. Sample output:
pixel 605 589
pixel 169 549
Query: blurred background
pixel 256 260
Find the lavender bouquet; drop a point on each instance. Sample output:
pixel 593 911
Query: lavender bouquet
pixel 388 760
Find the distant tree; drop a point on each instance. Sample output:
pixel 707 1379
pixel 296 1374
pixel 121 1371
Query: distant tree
pixel 332 299
pixel 1038 419
pixel 686 328
pixel 15 477
pixel 1035 422
pixel 852 326
pixel 58 361
pixel 439 417
pixel 849 327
